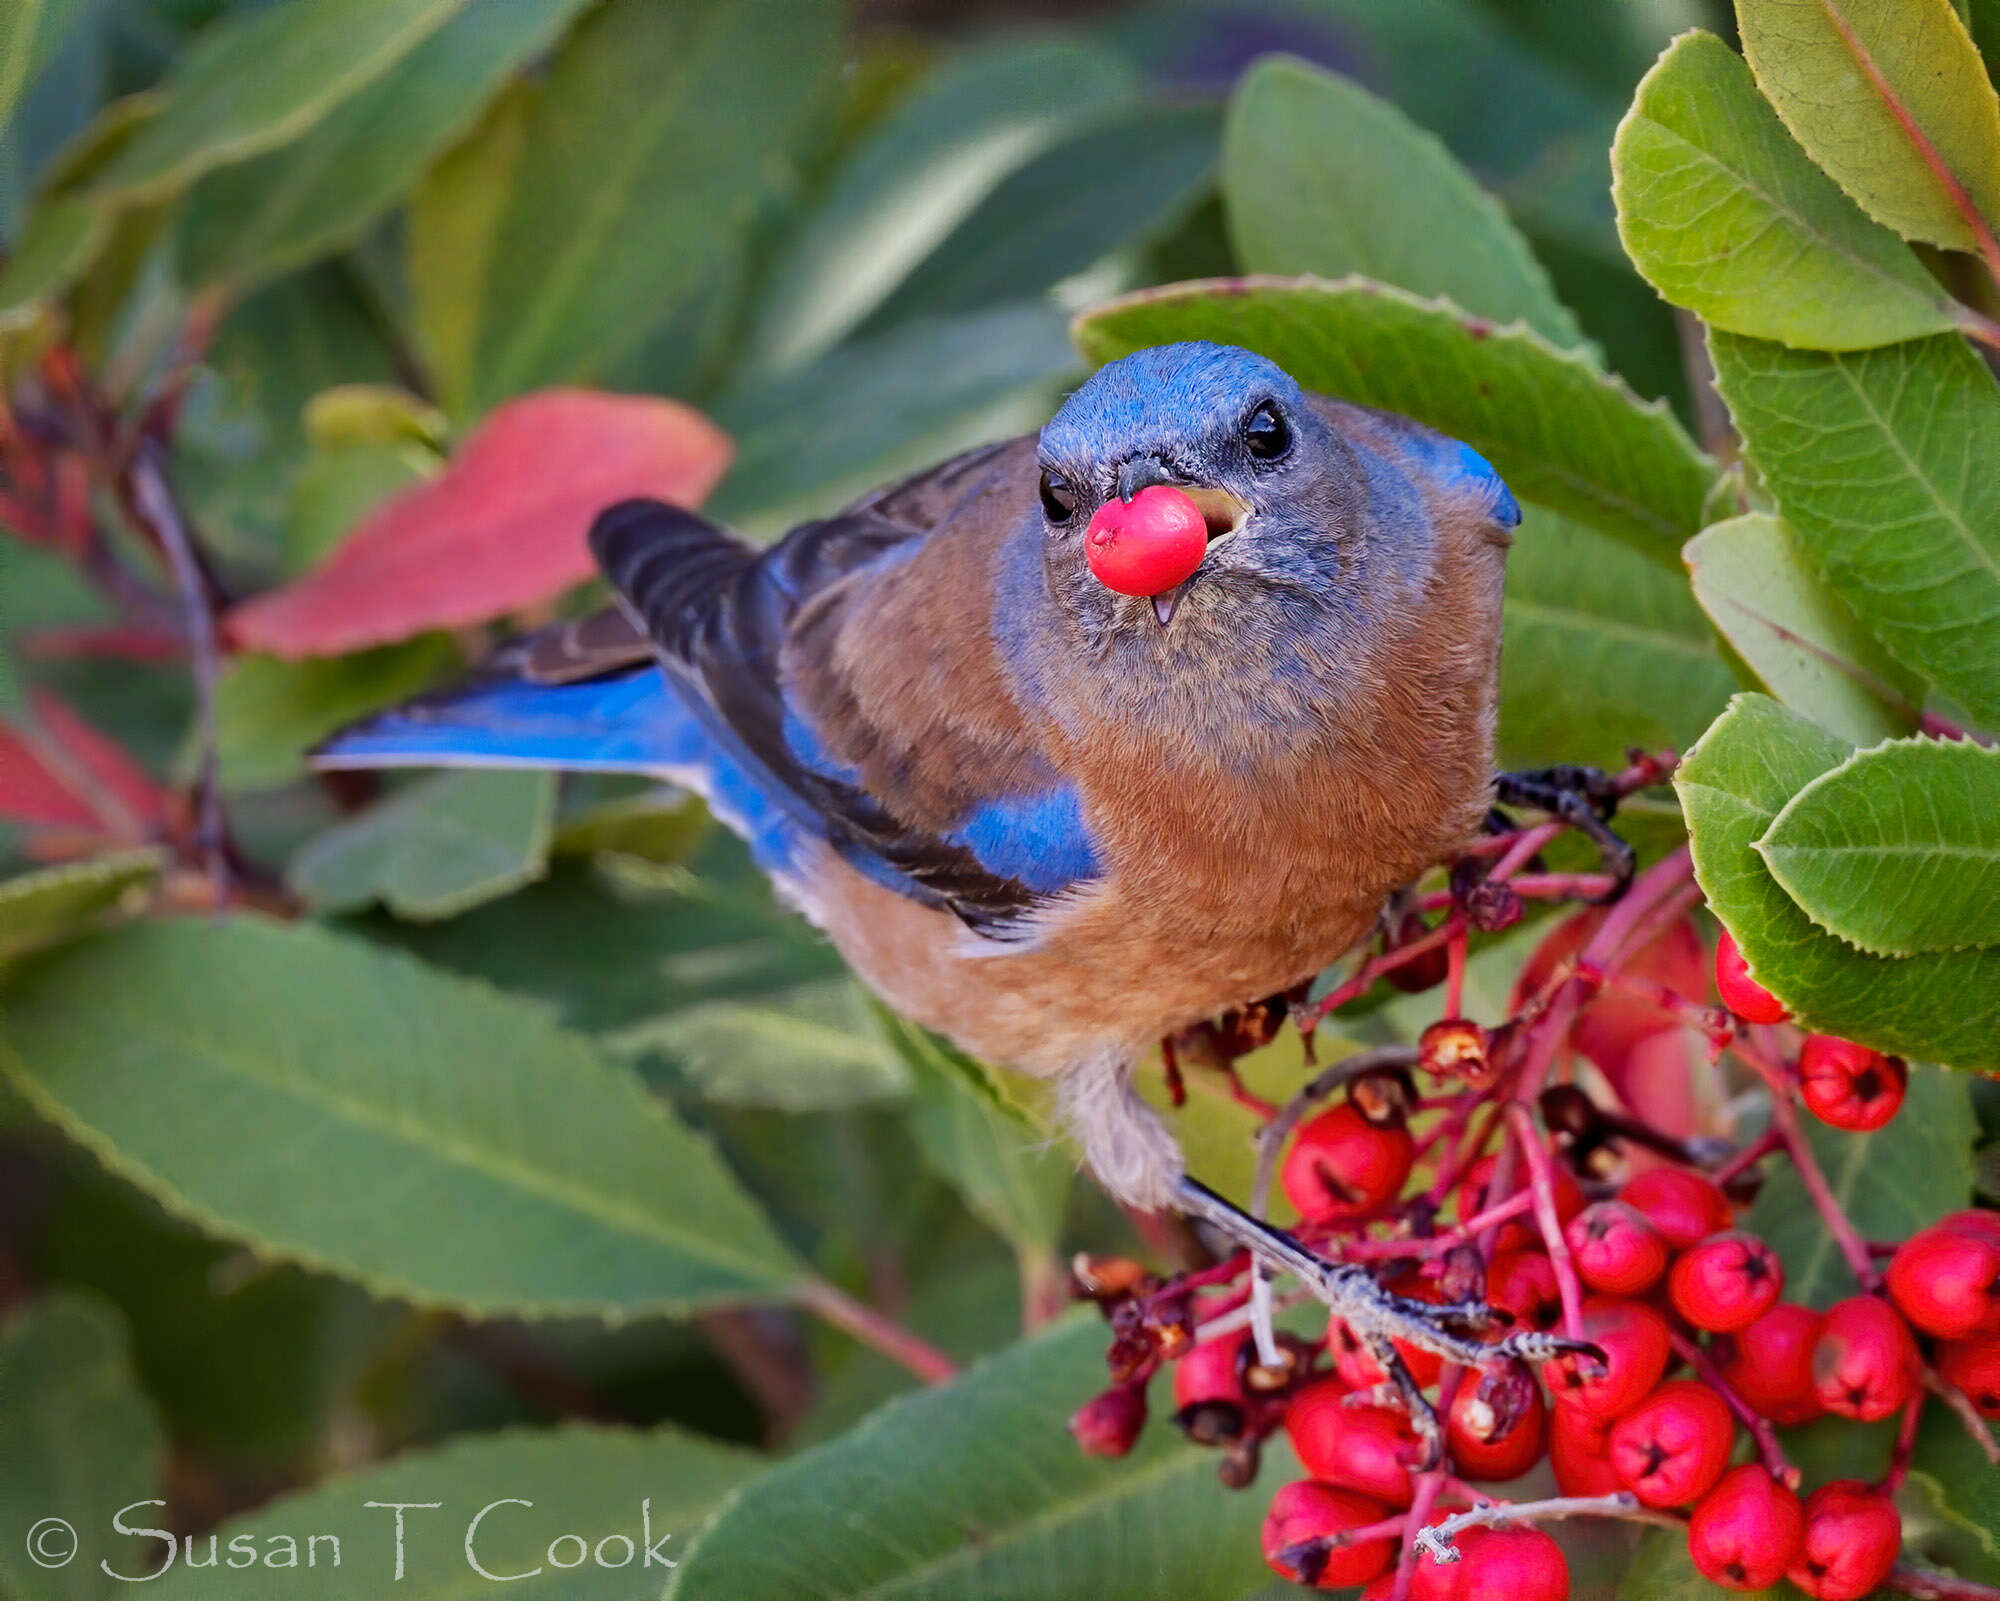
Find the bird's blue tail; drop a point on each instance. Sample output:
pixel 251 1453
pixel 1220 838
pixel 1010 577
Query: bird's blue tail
pixel 631 723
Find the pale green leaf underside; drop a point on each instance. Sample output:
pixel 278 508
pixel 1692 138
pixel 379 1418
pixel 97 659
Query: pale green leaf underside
pixel 62 239
pixel 1808 59
pixel 1732 786
pixel 1394 205
pixel 54 904
pixel 78 1440
pixel 440 847
pixel 1788 628
pixel 254 81
pixel 1559 430
pixel 1891 1183
pixel 586 1481
pixel 1897 849
pixel 1882 463
pixel 976 1489
pixel 1723 214
pixel 349 1109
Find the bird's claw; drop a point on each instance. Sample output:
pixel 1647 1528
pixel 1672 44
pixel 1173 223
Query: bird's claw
pixel 1584 797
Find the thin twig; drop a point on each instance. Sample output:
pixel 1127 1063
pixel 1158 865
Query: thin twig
pixel 1541 1184
pixel 877 1332
pixel 1776 1463
pixel 1927 1586
pixel 1968 1414
pixel 1436 1539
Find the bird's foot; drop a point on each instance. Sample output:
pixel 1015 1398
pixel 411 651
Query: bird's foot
pixel 1584 797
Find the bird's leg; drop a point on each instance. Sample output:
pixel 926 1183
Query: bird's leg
pixel 1350 1291
pixel 1584 797
pixel 1423 1416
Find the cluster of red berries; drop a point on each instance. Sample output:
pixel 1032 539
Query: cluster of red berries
pixel 1693 1339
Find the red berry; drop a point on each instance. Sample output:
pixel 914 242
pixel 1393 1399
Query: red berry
pixel 1633 1338
pixel 1865 1361
pixel 1148 544
pixel 1852 1538
pixel 1109 1424
pixel 1769 1364
pixel 1497 1428
pixel 1683 1206
pixel 1366 1449
pixel 1726 1282
pixel 1947 1281
pixel 1741 993
pixel 1580 1453
pixel 1671 1448
pixel 1975 1220
pixel 1746 1530
pixel 1212 1371
pixel 1848 1085
pixel 1616 1248
pixel 1523 1281
pixel 1974 1367
pixel 1342 1166
pixel 1518 1563
pixel 1305 1512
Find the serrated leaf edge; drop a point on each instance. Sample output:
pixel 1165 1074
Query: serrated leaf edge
pixel 1818 922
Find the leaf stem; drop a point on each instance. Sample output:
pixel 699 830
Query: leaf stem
pixel 877 1331
pixel 1776 1463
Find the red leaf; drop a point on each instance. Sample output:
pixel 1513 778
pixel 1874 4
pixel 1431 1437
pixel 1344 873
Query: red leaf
pixel 500 530
pixel 59 772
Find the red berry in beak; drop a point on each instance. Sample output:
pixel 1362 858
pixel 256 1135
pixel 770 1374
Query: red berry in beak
pixel 1146 545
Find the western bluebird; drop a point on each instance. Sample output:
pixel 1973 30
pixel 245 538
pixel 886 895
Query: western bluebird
pixel 1048 820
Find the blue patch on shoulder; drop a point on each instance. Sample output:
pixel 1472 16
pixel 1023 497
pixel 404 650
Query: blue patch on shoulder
pixel 811 751
pixel 1040 839
pixel 1506 509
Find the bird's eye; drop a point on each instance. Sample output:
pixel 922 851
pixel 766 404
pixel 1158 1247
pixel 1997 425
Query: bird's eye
pixel 1266 433
pixel 1058 499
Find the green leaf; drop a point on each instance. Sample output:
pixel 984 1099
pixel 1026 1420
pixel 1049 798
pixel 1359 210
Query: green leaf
pixel 604 1486
pixel 455 215
pixel 893 403
pixel 269 713
pixel 1395 207
pixel 436 848
pixel 1850 76
pixel 78 1440
pixel 1964 1489
pixel 976 1489
pixel 809 1047
pixel 1803 645
pixel 1121 179
pixel 479 1157
pixel 1897 850
pixel 1756 757
pixel 252 82
pixel 63 236
pixel 56 904
pixel 1890 1183
pixel 659 134
pixel 260 218
pixel 1009 1174
pixel 1881 462
pixel 1561 432
pixel 912 179
pixel 1725 215
pixel 1605 650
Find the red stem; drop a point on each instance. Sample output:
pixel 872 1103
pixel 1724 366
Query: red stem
pixel 1541 1185
pixel 1906 1443
pixel 1776 1463
pixel 1372 969
pixel 877 1331
pixel 1785 1122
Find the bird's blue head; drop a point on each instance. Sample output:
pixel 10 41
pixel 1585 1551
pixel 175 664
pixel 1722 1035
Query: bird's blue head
pixel 1317 524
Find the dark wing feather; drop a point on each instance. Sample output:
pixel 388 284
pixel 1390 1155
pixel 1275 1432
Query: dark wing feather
pixel 716 613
